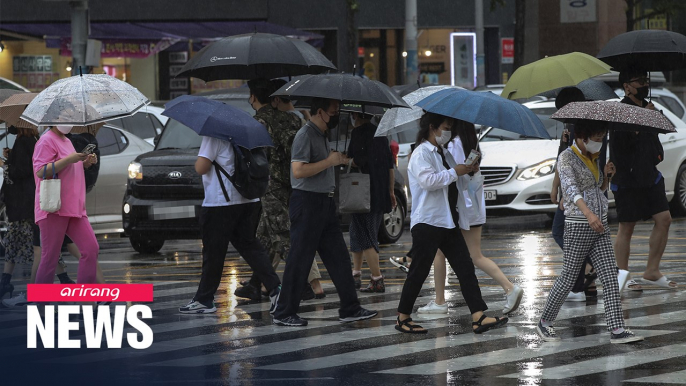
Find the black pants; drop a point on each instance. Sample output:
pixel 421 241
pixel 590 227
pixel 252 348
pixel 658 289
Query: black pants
pixel 426 240
pixel 237 224
pixel 315 228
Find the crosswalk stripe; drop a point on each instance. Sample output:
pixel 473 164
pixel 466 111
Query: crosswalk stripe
pixel 609 363
pixel 653 320
pixel 677 377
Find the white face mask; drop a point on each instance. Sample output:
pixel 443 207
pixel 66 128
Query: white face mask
pixel 64 129
pixel 444 138
pixel 593 146
pixel 352 121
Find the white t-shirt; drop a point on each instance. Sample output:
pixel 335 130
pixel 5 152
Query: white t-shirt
pixel 221 151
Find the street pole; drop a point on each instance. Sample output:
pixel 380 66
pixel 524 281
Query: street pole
pixel 480 56
pixel 411 71
pixel 79 35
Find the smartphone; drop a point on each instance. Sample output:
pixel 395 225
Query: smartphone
pixel 89 149
pixel 473 157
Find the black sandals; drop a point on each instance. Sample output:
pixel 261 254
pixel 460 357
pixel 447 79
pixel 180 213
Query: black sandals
pixel 485 327
pixel 412 328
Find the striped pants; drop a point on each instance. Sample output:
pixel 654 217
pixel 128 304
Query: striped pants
pixel 581 241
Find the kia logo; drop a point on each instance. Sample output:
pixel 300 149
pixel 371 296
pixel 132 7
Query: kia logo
pixel 174 175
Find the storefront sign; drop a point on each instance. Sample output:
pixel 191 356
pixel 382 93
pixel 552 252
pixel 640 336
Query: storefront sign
pixel 34 72
pixel 433 68
pixel 463 59
pixel 124 48
pixel 507 45
pixel 577 11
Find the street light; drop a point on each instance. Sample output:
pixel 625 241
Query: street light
pixel 427 53
pixel 68 68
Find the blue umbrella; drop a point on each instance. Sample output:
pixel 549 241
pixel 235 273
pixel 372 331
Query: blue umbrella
pixel 215 119
pixel 485 108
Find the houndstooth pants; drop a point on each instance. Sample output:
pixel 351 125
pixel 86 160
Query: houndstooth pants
pixel 580 240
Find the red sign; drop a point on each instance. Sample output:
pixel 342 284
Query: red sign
pixel 89 292
pixel 360 52
pixel 508 50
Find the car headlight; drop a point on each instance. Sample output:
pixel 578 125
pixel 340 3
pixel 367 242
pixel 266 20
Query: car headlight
pixel 135 171
pixel 539 170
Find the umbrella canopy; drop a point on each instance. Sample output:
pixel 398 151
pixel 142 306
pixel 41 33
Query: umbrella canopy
pixel 12 108
pixel 256 55
pixel 593 89
pixel 485 108
pixel 346 88
pixel 84 100
pixel 215 119
pixel 551 73
pixel 6 93
pixel 405 89
pixel 397 119
pixel 649 50
pixel 624 116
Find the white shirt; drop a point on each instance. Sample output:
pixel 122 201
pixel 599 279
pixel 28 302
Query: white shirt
pixel 429 181
pixel 221 151
pixel 471 203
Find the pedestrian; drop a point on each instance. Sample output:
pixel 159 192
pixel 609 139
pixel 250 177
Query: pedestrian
pixel 226 216
pixel 284 104
pixel 586 232
pixel 370 155
pixel 434 225
pixel 471 205
pixel 585 283
pixel 315 227
pixel 273 229
pixel 55 154
pixel 639 188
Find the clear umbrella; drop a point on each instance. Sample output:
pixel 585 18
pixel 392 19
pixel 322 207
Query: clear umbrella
pixel 400 119
pixel 84 100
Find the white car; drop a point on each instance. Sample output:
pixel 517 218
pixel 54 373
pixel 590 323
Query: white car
pixel 519 172
pixel 666 98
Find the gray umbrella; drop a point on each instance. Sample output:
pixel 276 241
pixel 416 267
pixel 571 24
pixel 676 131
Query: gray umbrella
pixel 593 90
pixel 84 100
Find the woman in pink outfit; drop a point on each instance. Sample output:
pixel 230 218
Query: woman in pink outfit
pixel 55 150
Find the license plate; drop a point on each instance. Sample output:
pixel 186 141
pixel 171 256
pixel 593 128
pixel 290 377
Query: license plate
pixel 172 212
pixel 490 195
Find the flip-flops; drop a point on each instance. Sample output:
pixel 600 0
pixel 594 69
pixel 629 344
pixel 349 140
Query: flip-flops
pixel 412 328
pixel 485 327
pixel 633 285
pixel 662 282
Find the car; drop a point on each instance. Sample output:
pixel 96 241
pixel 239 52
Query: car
pixel 8 84
pixel 664 97
pixel 144 123
pixel 519 171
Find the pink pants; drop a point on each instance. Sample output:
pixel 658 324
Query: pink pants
pixel 52 231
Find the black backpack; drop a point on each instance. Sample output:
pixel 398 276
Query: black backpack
pixel 251 175
pixel 80 141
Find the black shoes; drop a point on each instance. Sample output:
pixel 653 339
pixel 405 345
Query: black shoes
pixel 249 292
pixel 362 314
pixel 291 321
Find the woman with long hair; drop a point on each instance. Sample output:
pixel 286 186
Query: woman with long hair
pixel 434 225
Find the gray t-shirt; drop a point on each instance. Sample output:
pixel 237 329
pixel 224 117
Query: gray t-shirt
pixel 310 145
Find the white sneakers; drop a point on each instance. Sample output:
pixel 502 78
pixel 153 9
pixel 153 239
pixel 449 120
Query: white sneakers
pixel 513 299
pixel 576 297
pixel 17 301
pixel 433 308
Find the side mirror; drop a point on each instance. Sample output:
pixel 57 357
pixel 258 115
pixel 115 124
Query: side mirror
pixel 156 139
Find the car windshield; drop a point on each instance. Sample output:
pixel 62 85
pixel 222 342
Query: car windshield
pixel 553 127
pixel 176 135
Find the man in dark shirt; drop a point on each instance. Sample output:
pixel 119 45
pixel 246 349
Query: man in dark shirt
pixel 639 188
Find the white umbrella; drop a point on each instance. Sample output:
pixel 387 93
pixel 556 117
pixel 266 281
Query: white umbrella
pixel 84 100
pixel 400 119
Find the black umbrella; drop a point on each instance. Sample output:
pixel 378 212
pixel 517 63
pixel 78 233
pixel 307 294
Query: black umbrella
pixel 593 89
pixel 649 50
pixel 256 55
pixel 346 88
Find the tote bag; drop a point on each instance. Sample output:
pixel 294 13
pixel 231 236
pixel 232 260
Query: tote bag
pixel 354 192
pixel 50 192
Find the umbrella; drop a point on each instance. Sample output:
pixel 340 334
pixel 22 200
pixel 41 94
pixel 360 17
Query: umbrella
pixel 551 73
pixel 649 50
pixel 626 117
pixel 405 89
pixel 256 55
pixel 346 88
pixel 12 108
pixel 485 108
pixel 6 93
pixel 83 100
pixel 215 119
pixel 397 120
pixel 593 89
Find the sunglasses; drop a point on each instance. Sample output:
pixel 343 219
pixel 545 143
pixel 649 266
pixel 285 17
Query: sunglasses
pixel 641 81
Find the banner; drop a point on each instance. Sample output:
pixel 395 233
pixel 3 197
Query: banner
pixel 123 48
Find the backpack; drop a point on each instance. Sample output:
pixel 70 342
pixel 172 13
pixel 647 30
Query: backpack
pixel 251 174
pixel 80 141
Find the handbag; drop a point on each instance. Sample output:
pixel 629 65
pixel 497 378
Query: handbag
pixel 50 191
pixel 354 192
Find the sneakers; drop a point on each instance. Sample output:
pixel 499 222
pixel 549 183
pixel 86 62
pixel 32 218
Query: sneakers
pixel 513 299
pixel 17 301
pixel 576 297
pixel 358 280
pixel 547 333
pixel 194 307
pixel 623 277
pixel 362 314
pixel 625 337
pixel 375 286
pixel 249 292
pixel 401 263
pixel 290 321
pixel 433 308
pixel 274 298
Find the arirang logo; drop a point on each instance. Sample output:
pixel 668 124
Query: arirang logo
pixel 214 58
pixel 174 175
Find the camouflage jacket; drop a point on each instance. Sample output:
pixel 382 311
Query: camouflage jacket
pixel 282 127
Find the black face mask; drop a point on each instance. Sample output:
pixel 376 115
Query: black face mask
pixel 642 92
pixel 333 121
pixel 12 130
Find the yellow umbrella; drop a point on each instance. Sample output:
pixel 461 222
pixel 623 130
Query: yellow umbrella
pixel 553 72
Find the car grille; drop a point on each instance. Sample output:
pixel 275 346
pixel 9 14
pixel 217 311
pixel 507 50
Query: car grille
pixel 502 199
pixel 539 199
pixel 158 184
pixel 159 175
pixel 494 175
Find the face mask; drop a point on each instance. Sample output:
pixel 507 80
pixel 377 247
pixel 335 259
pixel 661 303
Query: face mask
pixel 593 146
pixel 642 92
pixel 64 129
pixel 352 121
pixel 444 138
pixel 333 121
pixel 251 101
